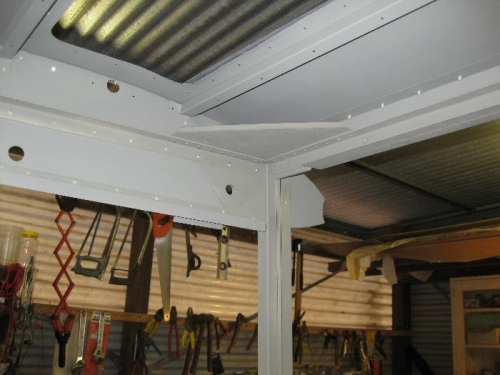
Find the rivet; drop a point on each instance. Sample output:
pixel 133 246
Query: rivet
pixel 156 198
pixel 229 164
pixel 131 141
pixel 349 117
pixel 198 156
pixel 382 105
pixel 117 190
pixel 223 211
pixel 21 58
pixel 53 69
pixel 190 205
pixel 54 123
pixel 365 140
pixel 419 92
pixel 74 182
pixel 94 132
pixel 1 167
pixel 256 170
pixel 9 112
pixel 166 148
pixel 460 78
pixel 4 69
pixel 28 173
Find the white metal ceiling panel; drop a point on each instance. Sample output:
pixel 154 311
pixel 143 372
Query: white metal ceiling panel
pixel 264 141
pixel 415 52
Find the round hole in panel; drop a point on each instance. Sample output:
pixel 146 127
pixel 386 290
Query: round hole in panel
pixel 229 189
pixel 113 86
pixel 16 153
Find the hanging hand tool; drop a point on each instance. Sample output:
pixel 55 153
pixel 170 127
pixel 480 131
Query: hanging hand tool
pixel 98 353
pixel 202 321
pixel 139 367
pixel 79 363
pixel 379 341
pixel 210 320
pixel 240 319
pixel 306 337
pixel 132 273
pixel 144 340
pixel 297 331
pixel 194 261
pixel 254 337
pixel 150 328
pixel 101 263
pixel 223 254
pixel 173 328
pixel 365 359
pixel 220 333
pixel 162 232
pixel 63 330
pixel 189 326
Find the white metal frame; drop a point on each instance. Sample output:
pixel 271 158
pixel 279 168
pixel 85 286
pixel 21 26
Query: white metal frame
pixel 81 140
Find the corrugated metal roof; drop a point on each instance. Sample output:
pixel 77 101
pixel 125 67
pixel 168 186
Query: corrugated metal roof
pixel 444 177
pixel 463 166
pixel 179 40
pixel 363 200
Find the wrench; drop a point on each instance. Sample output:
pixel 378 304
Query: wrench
pixel 98 353
pixel 79 363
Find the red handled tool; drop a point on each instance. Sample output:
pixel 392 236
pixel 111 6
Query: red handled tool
pixel 63 329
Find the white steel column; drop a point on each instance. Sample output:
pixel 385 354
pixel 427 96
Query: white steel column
pixel 275 294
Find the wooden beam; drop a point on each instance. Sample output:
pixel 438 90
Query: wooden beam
pixel 137 297
pixel 401 320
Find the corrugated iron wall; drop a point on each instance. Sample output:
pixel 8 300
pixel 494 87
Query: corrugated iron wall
pixel 431 326
pixel 339 302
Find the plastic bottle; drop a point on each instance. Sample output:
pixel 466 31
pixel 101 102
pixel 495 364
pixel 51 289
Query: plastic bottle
pixel 29 247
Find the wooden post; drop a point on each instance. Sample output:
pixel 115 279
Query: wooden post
pixel 401 320
pixel 137 297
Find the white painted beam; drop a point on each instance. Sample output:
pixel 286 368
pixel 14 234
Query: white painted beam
pixel 275 292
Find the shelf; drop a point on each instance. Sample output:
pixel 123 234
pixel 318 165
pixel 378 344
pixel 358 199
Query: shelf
pixel 482 310
pixel 482 346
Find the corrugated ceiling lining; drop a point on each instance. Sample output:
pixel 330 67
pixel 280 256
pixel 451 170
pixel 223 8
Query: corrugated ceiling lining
pixel 337 302
pixel 179 40
pixel 366 201
pixel 462 166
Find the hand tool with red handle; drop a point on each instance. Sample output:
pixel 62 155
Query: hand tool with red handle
pixel 162 233
pixel 63 329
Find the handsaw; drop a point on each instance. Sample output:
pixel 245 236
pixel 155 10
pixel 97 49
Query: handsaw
pixel 162 233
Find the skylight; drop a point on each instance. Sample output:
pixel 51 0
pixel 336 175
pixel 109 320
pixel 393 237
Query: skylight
pixel 181 40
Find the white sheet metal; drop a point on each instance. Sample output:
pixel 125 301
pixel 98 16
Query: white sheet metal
pixel 264 142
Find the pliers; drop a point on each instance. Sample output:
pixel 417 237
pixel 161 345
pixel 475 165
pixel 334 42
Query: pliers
pixel 240 319
pixel 150 329
pixel 379 340
pixel 173 327
pixel 189 327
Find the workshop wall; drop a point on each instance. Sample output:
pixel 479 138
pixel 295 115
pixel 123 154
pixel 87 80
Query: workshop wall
pixel 339 302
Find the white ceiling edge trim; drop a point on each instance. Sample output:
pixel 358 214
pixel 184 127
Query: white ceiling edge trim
pixel 466 102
